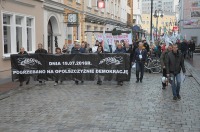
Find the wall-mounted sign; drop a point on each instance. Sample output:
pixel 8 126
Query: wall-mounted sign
pixel 72 19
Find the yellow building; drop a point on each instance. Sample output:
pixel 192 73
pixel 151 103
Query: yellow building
pixel 166 23
pixel 117 13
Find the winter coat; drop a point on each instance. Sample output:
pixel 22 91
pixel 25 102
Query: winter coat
pixel 138 53
pixel 41 51
pixel 175 62
pixel 120 50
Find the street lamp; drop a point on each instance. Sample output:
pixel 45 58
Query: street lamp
pixel 157 14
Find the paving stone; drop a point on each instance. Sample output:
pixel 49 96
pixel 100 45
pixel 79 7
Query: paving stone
pixel 142 107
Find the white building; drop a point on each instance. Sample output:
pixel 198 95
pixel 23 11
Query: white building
pixel 54 33
pixel 166 5
pixel 137 7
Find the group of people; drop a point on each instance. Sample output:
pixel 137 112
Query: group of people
pixel 187 48
pixel 171 56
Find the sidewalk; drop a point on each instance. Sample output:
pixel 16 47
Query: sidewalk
pixel 193 66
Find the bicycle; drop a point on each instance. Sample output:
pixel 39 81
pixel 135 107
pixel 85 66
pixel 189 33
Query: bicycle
pixel 153 65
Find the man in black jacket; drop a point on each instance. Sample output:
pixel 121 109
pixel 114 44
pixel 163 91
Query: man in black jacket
pixel 140 58
pixel 163 60
pixel 40 50
pixel 76 50
pixel 175 63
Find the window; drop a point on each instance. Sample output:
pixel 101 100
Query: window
pixel 89 3
pixel 18 20
pixel 7 33
pixel 29 33
pixel 18 31
pixel 78 1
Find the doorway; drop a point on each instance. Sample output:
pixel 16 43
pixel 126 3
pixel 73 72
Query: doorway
pixel 50 38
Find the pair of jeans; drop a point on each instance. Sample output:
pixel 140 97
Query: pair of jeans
pixel 139 69
pixel 176 84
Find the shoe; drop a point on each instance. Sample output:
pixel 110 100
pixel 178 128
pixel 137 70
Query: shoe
pixel 99 82
pixel 140 81
pixel 179 97
pixel 175 98
pixel 137 81
pixel 27 82
pixel 21 84
pixel 76 82
pixel 55 84
pixel 163 88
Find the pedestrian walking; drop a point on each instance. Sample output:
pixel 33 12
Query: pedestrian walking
pixel 58 52
pixel 175 63
pixel 130 51
pixel 41 50
pixel 184 48
pixel 22 78
pixel 119 50
pixel 140 58
pixel 163 60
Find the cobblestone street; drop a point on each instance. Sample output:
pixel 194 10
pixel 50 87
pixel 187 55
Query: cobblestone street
pixel 91 108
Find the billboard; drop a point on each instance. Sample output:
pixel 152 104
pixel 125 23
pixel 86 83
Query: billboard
pixel 191 17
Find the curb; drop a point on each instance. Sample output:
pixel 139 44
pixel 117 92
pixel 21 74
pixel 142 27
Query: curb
pixel 5 80
pixel 193 72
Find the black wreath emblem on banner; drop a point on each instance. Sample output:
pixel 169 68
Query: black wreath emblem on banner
pixel 112 60
pixel 28 61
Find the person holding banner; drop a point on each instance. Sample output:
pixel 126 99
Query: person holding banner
pixel 65 49
pixel 120 50
pixel 76 50
pixel 99 51
pixel 58 52
pixel 40 50
pixel 22 77
pixel 130 51
pixel 140 58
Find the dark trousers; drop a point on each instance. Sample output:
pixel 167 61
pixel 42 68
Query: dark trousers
pixel 139 69
pixel 164 75
pixel 23 78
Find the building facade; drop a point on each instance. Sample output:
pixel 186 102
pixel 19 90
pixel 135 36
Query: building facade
pixel 25 23
pixel 137 12
pixel 165 24
pixel 20 26
pixel 117 13
pixel 54 26
pixel 189 20
pixel 166 5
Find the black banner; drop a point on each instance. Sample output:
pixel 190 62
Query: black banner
pixel 72 66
